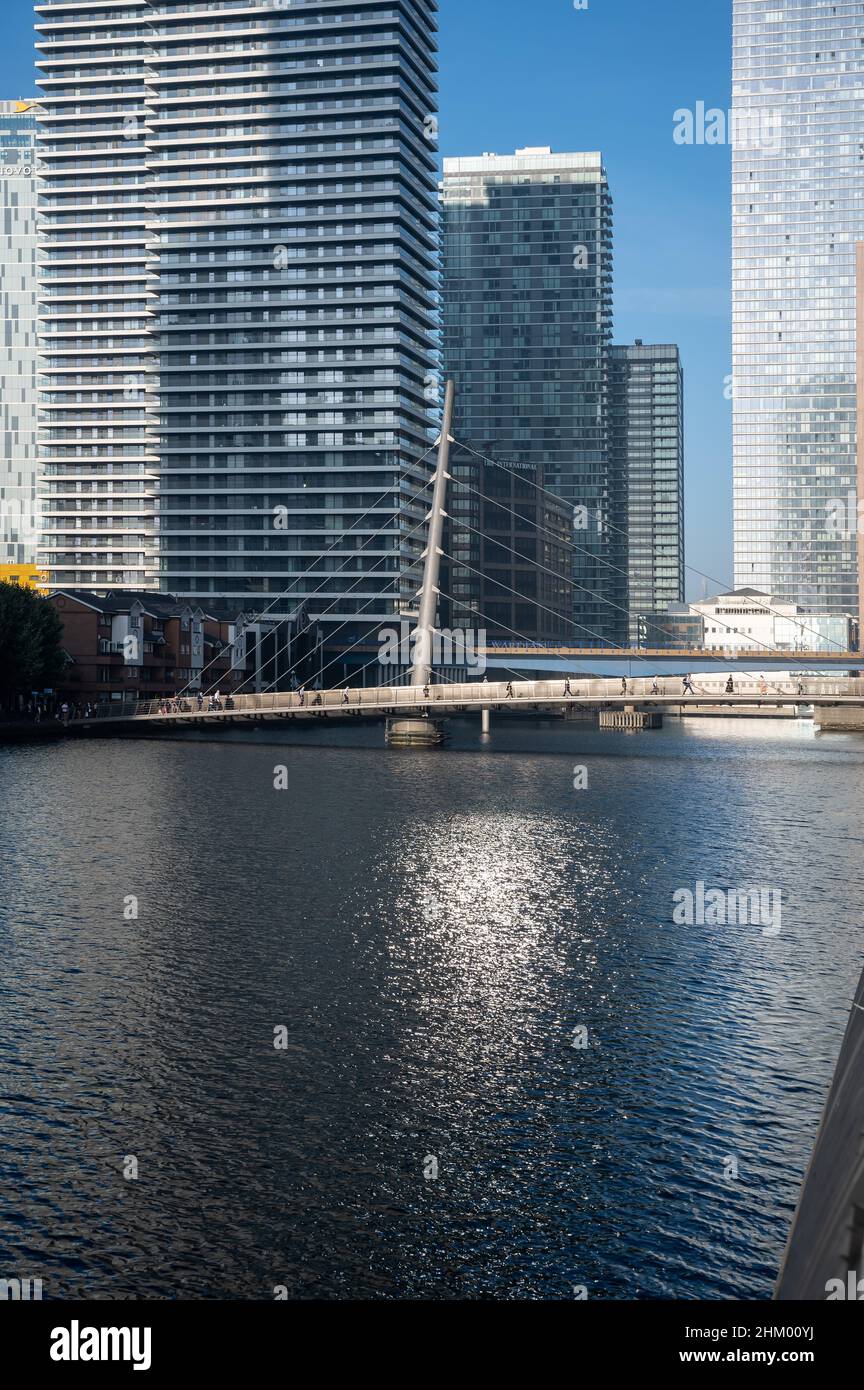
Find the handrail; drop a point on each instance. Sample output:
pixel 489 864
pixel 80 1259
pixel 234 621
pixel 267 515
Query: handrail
pixel 501 693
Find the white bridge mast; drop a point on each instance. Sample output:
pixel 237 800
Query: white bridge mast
pixel 421 665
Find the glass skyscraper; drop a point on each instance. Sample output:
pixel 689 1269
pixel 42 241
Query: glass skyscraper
pixel 508 553
pixel 646 442
pixel 798 211
pixel 19 527
pixel 239 229
pixel 527 310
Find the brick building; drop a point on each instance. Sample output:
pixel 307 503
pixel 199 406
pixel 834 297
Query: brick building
pixel 130 645
pixel 138 645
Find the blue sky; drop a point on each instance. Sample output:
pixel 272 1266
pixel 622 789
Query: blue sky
pixel 609 77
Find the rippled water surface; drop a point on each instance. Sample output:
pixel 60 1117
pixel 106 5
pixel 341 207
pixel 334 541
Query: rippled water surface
pixel 430 929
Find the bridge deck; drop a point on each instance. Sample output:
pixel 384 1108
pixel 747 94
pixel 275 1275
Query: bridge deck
pixel 445 699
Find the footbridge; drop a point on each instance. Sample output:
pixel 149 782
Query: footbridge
pixel 623 688
pixel 435 702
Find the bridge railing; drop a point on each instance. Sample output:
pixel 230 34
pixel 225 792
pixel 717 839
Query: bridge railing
pixel 479 693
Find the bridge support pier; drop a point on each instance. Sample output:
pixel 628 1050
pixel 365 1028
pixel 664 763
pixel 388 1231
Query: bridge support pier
pixel 840 719
pixel 415 733
pixel 631 718
pixel 486 720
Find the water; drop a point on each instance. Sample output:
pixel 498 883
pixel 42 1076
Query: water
pixel 430 928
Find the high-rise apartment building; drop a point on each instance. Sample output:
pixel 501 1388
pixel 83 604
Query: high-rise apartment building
pixel 239 236
pixel 798 212
pixel 527 311
pixel 19 527
pixel 646 442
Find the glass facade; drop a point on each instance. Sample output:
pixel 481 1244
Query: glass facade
pixel 673 629
pixel 646 443
pixel 239 228
pixel 19 513
pixel 527 313
pixel 508 545
pixel 798 210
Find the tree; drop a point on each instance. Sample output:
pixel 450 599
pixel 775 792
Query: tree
pixel 31 657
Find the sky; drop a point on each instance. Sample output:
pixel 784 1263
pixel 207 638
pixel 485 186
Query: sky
pixel 606 76
pixel 610 77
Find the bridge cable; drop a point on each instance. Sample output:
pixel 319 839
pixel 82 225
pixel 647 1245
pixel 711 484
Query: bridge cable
pixel 769 648
pixel 325 580
pixel 376 598
pixel 279 597
pixel 618 530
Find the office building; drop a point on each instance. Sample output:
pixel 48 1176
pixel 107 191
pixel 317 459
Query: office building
pixel 19 510
pixel 239 232
pixel 646 443
pixel 747 620
pixel 676 628
pixel 527 304
pixel 508 554
pixel 798 214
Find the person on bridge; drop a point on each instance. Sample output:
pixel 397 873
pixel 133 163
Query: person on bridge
pixel 509 690
pixel 623 685
pixel 800 687
pixel 567 690
pixel 345 695
pixel 302 693
pixel 730 686
pixel 688 686
pixel 655 689
pixel 763 686
pixel 199 700
pixel 425 692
